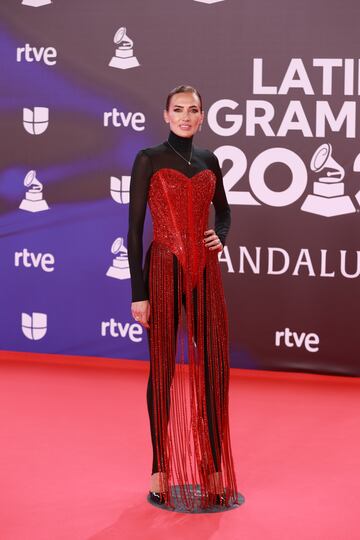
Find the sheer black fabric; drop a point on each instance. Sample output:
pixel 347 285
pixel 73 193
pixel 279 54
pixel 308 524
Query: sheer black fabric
pixel 146 163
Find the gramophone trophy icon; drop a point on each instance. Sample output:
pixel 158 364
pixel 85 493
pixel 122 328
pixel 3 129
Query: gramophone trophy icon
pixel 124 55
pixel 120 265
pixel 328 198
pixel 35 3
pixel 33 201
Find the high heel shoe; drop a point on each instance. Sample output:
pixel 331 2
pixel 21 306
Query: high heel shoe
pixel 218 498
pixel 157 497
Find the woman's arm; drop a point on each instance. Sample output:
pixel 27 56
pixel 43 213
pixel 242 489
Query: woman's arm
pixel 139 186
pixel 222 208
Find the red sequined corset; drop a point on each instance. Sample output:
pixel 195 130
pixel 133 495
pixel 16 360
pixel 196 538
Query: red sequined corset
pixel 179 208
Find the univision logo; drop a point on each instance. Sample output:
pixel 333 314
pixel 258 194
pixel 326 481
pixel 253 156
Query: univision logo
pixel 34 326
pixel 36 120
pixel 120 189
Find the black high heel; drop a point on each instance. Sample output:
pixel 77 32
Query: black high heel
pixel 218 498
pixel 157 497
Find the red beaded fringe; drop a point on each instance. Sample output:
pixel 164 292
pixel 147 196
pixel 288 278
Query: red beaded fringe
pixel 183 443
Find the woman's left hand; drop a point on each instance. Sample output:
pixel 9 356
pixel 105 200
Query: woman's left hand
pixel 212 241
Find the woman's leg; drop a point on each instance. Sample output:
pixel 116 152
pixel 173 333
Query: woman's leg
pixel 211 393
pixel 158 463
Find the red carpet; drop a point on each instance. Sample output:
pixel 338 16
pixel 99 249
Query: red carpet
pixel 75 455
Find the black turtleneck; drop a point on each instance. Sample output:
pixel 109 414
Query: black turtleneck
pixel 181 144
pixel 146 163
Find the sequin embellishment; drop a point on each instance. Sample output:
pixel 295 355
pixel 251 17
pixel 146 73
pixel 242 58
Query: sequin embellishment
pixel 189 452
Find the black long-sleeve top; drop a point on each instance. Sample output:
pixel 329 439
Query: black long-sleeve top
pixel 146 163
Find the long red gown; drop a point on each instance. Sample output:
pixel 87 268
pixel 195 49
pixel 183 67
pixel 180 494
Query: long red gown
pixel 179 208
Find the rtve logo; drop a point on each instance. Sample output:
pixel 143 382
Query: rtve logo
pixel 34 54
pixel 117 329
pixel 310 341
pixel 34 326
pixel 32 260
pixel 120 119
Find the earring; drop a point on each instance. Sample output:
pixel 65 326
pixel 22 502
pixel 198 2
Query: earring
pixel 200 127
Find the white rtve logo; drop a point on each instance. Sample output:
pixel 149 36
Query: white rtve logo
pixel 291 339
pixel 34 326
pixel 118 329
pixel 120 119
pixel 29 259
pixel 35 54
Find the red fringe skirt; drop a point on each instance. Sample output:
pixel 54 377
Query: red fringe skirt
pixel 198 391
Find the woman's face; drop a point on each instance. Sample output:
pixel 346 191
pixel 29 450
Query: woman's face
pixel 184 114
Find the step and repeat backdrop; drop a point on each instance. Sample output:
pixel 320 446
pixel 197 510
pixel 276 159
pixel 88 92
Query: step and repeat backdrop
pixel 83 88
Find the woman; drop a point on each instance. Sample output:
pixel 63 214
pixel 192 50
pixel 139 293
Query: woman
pixel 187 393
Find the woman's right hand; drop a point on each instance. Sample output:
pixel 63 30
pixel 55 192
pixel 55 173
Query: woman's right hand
pixel 141 312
